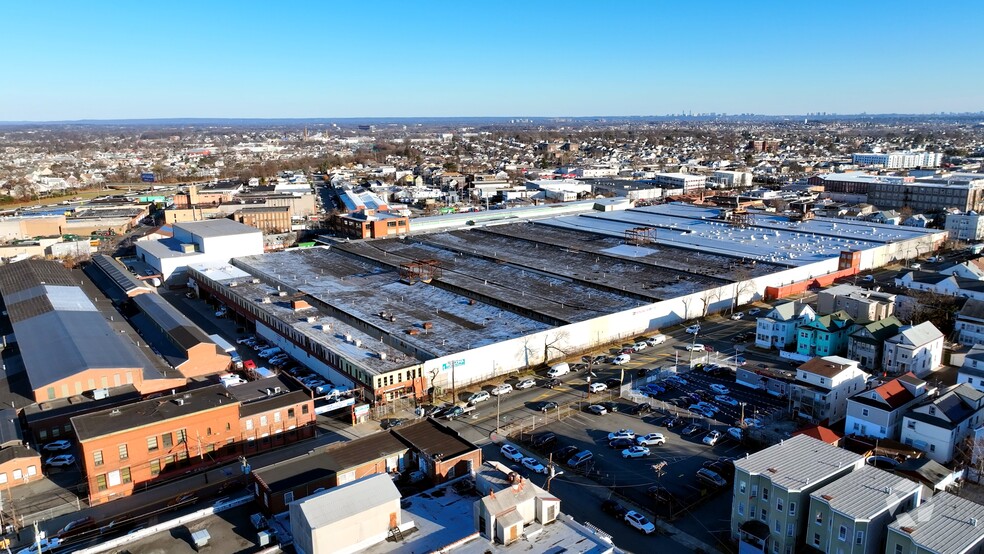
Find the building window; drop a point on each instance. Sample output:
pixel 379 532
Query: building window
pixel 755 491
pixel 125 474
pixel 741 487
pixel 290 413
pixel 842 533
pixel 228 427
pixel 101 482
pixel 910 424
pixel 151 444
pixel 765 514
pixel 864 411
pixel 155 467
pixel 182 436
pixel 167 440
pixel 3 478
pixel 779 504
pixel 819 518
pixel 778 528
pixel 288 497
pixel 789 530
pixel 859 537
pixel 304 409
pixel 249 424
pixel 32 471
pixel 765 493
pixel 97 458
pixel 124 454
pixel 932 448
pixel 263 421
pixel 898 549
pixel 741 508
pixel 276 417
pixel 792 508
pixel 816 539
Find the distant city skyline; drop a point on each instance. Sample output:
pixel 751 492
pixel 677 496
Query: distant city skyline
pixel 114 60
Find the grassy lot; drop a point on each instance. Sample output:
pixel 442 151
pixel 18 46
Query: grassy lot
pixel 81 195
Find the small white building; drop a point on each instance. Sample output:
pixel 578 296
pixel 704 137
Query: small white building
pixel 972 370
pixel 511 506
pixel 937 427
pixel 778 327
pixel 347 518
pixel 732 179
pixel 823 386
pixel 689 183
pixel 197 242
pixel 917 348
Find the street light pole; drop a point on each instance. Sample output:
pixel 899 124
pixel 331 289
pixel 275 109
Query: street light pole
pixel 498 400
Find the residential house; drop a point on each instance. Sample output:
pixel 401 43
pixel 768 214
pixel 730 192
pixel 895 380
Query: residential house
pixel 928 281
pixel 440 452
pixel 866 342
pixel 970 323
pixel 823 386
pixel 772 487
pixel 824 336
pixel 939 427
pixel 972 370
pixel 510 505
pixel 864 306
pixel 850 515
pixel 965 226
pixel 887 217
pixel 945 524
pixel 348 518
pixel 777 329
pixel 917 348
pixel 878 412
pixel 970 270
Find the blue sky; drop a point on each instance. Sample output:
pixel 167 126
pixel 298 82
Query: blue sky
pixel 101 60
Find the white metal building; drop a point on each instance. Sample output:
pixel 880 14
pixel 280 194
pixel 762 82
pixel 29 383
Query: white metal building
pixel 197 242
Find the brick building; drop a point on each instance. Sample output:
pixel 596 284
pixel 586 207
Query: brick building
pixel 269 219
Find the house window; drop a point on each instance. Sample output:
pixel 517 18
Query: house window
pixel 779 504
pixel 755 491
pixel 932 448
pixel 249 424
pixel 751 511
pixel 151 444
pixel 864 411
pixel 898 549
pixel 741 508
pixel 859 537
pixel 816 539
pixel 304 409
pixel 741 487
pixel 155 467
pixel 124 454
pixel 182 436
pixel 819 518
pixel 97 458
pixel 263 421
pixel 910 424
pixel 765 514
pixel 290 413
pixel 792 508
pixel 125 474
pixel 778 527
pixel 765 493
pixel 32 471
pixel 288 497
pixel 842 533
pixel 932 410
pixel 276 417
pixel 167 440
pixel 101 482
pixel 789 530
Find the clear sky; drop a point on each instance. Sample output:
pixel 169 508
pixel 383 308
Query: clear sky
pixel 371 58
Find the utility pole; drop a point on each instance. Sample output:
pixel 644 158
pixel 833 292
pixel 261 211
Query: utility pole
pixel 37 538
pixel 498 402
pixel 454 391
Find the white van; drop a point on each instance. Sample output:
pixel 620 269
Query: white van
pixel 621 359
pixel 559 369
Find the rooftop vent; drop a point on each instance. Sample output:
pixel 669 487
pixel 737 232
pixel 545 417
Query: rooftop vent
pixel 311 319
pixel 382 355
pixel 772 470
pixel 282 293
pixel 233 283
pixel 179 401
pixel 909 530
pixel 973 521
pixel 428 325
pixel 255 281
pixel 266 300
pixel 357 343
pixel 348 337
pixel 826 497
pixel 326 326
pixel 114 411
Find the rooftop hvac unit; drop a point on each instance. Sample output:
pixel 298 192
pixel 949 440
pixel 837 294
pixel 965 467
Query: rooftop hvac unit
pixel 276 390
pixel 282 293
pixel 311 319
pixel 266 300
pixel 382 355
pixel 255 281
pixel 232 284
pixel 179 401
pixel 99 394
pixel 357 343
pixel 348 337
pixel 326 327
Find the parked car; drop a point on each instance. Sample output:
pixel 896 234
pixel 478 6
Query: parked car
pixel 701 411
pixel 695 347
pixel 563 454
pixel 622 442
pixel 533 465
pixel 613 383
pixel 612 407
pixel 725 399
pixel 43 545
pixel 707 406
pixel 453 412
pixel 597 387
pixel 639 521
pixel 754 311
pixel 621 359
pixel 656 339
pixel 57 446
pixel 711 438
pixel 502 389
pixel 526 384
pixel 635 452
pixel 735 433
pixel 641 345
pixel 511 452
pixel 543 440
pixel 725 469
pixel 693 329
pixel 651 439
pixel 61 460
pixel 868 278
pixel 580 459
pixel 671 421
pixel 677 380
pixel 737 315
pixel 614 508
pixel 480 396
pixel 690 430
pixel 552 383
pixel 711 478
pixel 597 409
pixel 622 433
pixel 641 409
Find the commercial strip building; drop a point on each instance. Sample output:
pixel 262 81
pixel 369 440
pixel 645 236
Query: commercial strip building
pixel 434 312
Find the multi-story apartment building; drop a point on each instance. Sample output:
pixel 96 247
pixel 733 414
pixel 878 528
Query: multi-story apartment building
pixel 823 386
pixel 878 412
pixel 770 506
pixel 864 306
pixel 777 328
pixel 970 323
pixel 866 342
pixel 945 524
pixel 824 336
pixel 967 226
pixel 939 426
pixel 972 370
pixel 898 160
pixel 929 195
pixel 917 348
pixel 851 515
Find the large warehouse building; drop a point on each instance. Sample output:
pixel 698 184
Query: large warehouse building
pixel 399 316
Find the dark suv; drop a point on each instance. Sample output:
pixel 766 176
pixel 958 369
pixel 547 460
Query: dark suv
pixel 544 440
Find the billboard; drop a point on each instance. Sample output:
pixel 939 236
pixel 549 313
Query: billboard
pixel 147 177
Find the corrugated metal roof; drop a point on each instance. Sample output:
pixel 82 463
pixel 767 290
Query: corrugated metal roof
pixel 946 524
pixel 796 462
pixel 118 274
pixel 345 501
pixel 865 493
pixel 219 227
pixel 29 273
pixel 185 333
